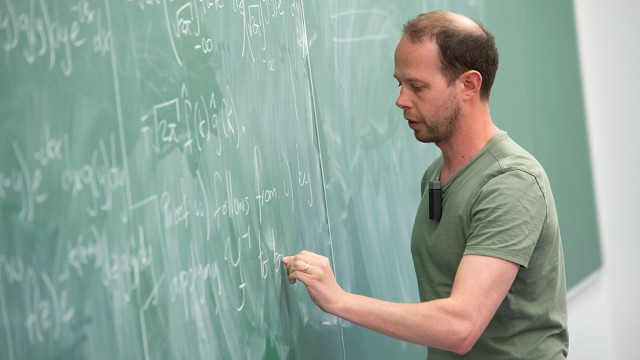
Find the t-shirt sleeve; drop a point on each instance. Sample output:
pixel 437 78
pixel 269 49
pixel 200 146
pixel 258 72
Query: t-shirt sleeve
pixel 507 218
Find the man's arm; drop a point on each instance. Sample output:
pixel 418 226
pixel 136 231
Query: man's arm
pixel 454 323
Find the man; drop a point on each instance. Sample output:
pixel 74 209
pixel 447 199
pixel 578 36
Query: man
pixel 490 269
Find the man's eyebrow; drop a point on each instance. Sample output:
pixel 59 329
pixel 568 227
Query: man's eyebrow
pixel 411 79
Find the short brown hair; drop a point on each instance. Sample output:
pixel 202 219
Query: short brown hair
pixel 461 48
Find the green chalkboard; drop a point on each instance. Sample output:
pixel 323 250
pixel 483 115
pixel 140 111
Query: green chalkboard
pixel 159 157
pixel 537 98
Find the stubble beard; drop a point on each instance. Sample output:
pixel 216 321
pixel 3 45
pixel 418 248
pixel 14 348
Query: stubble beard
pixel 441 130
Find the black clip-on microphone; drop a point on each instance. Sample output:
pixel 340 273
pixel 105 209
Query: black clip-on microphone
pixel 435 200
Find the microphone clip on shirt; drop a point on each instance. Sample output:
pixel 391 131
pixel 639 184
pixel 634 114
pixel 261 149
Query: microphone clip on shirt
pixel 435 200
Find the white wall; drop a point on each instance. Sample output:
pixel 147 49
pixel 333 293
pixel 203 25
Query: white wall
pixel 605 312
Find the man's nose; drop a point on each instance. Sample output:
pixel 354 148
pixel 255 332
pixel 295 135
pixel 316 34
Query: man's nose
pixel 402 101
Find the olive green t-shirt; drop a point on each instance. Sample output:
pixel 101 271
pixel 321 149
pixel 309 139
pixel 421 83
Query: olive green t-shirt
pixel 499 204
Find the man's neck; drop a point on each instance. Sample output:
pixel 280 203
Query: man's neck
pixel 469 139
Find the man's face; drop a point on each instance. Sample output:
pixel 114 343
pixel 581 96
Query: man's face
pixel 428 102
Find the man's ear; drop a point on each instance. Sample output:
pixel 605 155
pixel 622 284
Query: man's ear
pixel 471 82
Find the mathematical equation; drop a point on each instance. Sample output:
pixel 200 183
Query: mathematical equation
pixel 153 181
pixel 231 211
pixel 34 31
pixel 47 309
pixel 52 31
pixel 233 222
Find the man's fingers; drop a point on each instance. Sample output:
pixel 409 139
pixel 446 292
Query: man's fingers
pixel 300 265
pixel 311 255
pixel 299 262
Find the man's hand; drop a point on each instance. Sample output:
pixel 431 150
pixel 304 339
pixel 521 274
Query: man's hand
pixel 315 272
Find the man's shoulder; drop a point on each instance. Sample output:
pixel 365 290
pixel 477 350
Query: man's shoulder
pixel 510 156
